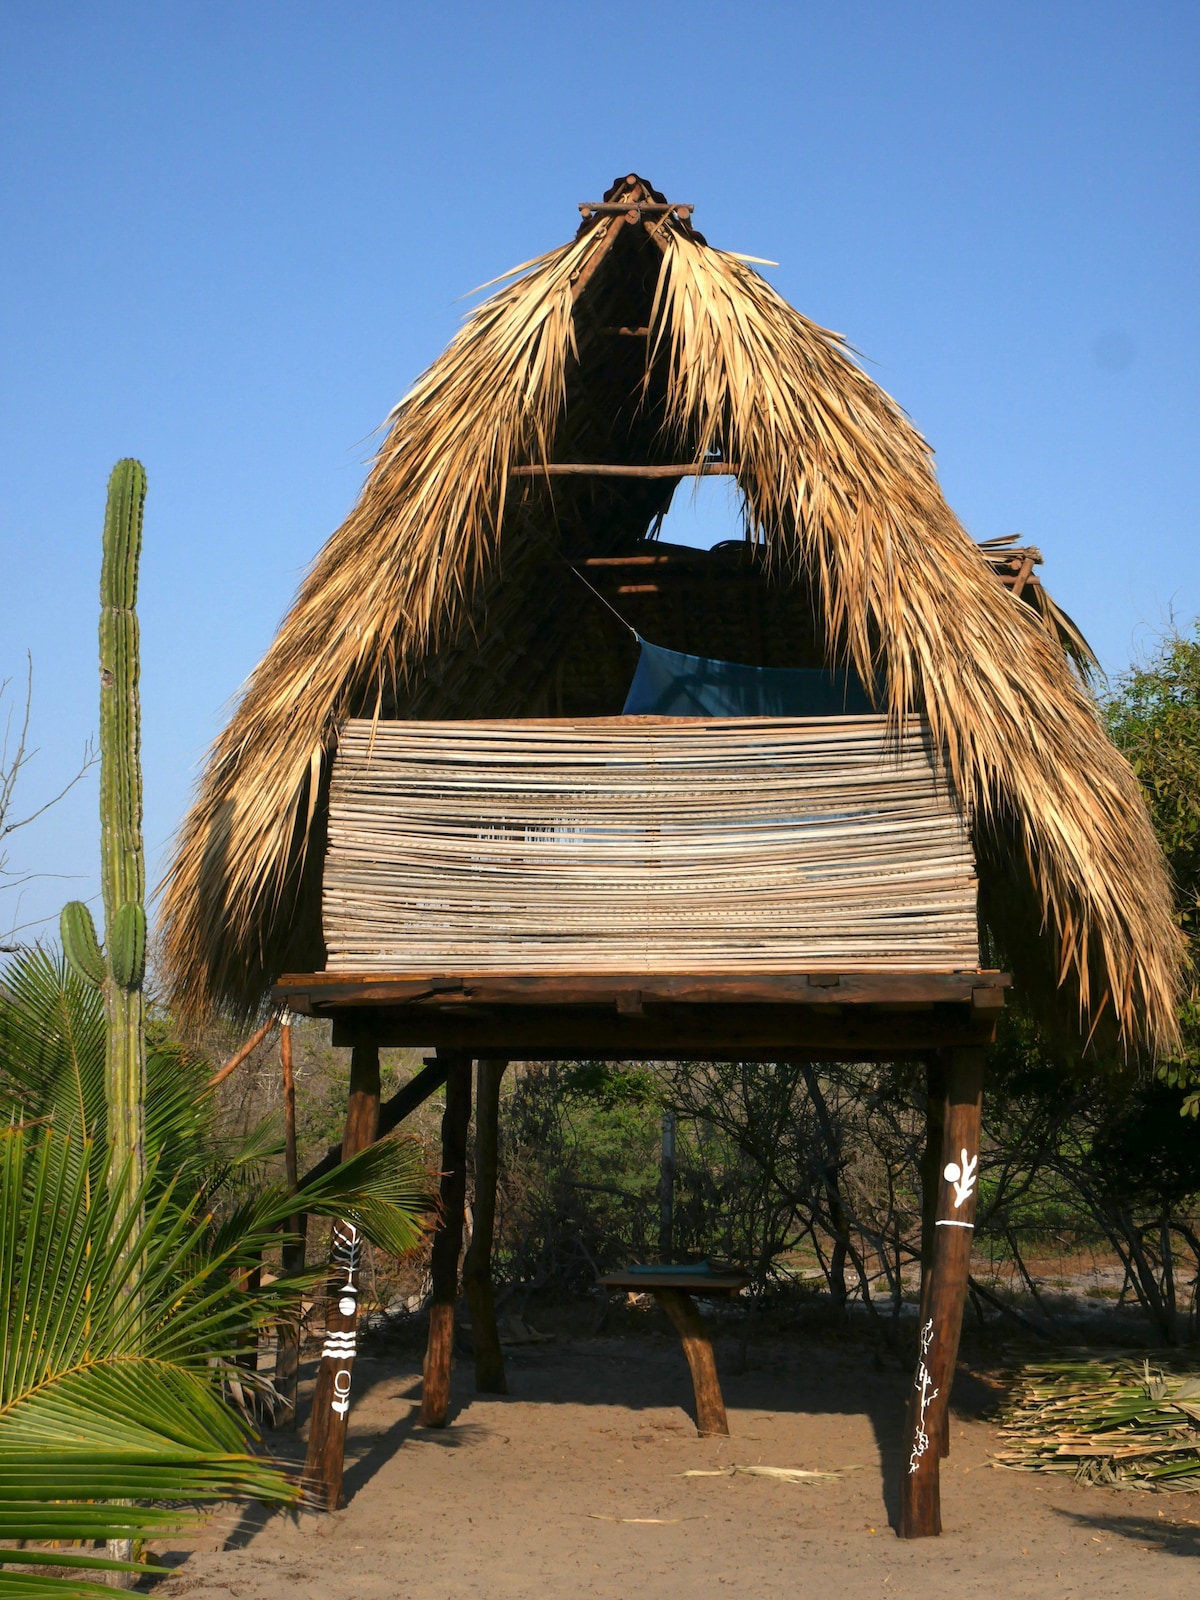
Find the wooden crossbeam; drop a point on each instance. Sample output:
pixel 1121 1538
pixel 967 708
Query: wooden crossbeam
pixel 321 993
pixel 612 469
pixel 634 210
pixel 672 1033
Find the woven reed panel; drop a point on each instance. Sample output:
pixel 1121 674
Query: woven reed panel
pixel 757 845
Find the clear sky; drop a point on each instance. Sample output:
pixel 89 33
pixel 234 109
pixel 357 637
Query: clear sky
pixel 233 231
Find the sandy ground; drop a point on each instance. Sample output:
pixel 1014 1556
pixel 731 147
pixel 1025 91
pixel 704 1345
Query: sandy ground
pixel 573 1486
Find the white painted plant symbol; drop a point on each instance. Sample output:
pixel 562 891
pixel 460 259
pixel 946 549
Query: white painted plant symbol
pixel 923 1383
pixel 962 1175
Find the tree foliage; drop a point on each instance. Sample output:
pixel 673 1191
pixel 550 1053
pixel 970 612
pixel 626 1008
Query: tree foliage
pixel 1154 717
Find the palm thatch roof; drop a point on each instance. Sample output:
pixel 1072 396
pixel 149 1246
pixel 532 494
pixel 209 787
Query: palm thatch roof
pixel 448 592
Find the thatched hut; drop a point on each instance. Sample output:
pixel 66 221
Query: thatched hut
pixel 497 575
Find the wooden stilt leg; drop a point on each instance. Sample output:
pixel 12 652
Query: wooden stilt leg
pixel 697 1347
pixel 931 1176
pixel 477 1267
pixel 942 1306
pixel 331 1401
pixel 447 1241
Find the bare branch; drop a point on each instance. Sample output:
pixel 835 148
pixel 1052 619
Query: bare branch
pixel 15 756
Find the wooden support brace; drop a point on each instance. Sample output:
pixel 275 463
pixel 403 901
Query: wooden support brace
pixel 331 1401
pixel 944 1296
pixel 447 1241
pixel 697 1347
pixel 477 1267
pixel 592 265
pixel 391 1113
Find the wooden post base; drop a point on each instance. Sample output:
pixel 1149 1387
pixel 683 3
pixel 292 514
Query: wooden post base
pixel 944 1296
pixel 439 1358
pixel 447 1241
pixel 697 1347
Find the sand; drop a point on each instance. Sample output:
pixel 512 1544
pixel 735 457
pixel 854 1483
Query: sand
pixel 573 1485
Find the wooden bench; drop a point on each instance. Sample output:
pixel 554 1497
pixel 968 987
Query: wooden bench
pixel 674 1289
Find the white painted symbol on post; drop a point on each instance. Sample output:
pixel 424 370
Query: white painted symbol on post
pixel 962 1175
pixel 341 1344
pixel 923 1383
pixel 341 1391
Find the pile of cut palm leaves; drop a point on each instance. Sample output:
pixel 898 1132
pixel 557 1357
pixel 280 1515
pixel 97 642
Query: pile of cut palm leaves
pixel 1107 1420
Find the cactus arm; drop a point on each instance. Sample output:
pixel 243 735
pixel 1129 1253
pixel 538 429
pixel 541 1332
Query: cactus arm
pixel 127 946
pixel 80 944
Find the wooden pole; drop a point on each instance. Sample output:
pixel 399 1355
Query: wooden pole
pixel 942 1307
pixel 666 1190
pixel 477 1267
pixel 697 1347
pixel 447 1241
pixel 287 1345
pixel 331 1401
pixel 289 1106
pixel 932 1162
pixel 235 1060
pixel 612 229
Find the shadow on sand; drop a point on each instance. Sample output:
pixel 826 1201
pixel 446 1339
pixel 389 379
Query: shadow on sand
pixel 642 1373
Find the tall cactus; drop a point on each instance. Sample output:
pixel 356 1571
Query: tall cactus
pixel 118 967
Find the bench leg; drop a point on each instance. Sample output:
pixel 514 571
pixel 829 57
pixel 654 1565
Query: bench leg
pixel 697 1347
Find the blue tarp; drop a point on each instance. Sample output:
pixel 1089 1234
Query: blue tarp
pixel 668 684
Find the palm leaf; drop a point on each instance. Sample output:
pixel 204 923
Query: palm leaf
pixel 100 1404
pixel 116 1336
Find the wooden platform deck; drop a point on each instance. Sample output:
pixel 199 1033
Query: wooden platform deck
pixel 710 1016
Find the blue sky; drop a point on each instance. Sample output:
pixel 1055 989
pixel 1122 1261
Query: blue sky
pixel 232 233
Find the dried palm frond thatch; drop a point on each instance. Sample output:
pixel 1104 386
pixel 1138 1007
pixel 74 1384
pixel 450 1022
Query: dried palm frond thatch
pixel 437 597
pixel 1106 1420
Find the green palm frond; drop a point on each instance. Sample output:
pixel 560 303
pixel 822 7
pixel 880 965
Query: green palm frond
pixel 101 1402
pixel 110 1399
pixel 52 1064
pixel 51 1044
pixel 385 1190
